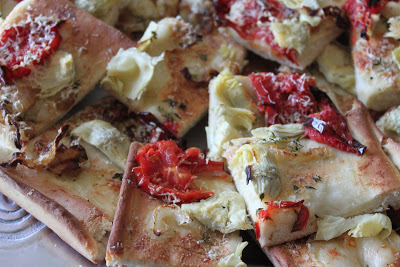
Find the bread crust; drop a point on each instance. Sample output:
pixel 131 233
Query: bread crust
pixel 56 217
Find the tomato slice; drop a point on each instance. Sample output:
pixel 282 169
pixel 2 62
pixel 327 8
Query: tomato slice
pixel 329 126
pixel 360 12
pixel 252 13
pixel 293 98
pixel 26 45
pixel 285 97
pixel 301 210
pixel 166 172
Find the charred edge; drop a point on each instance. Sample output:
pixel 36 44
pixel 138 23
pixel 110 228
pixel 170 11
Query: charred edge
pixel 198 84
pixel 339 15
pixel 17 138
pixel 363 33
pixel 3 77
pixel 148 118
pixel 321 96
pixel 247 171
pixel 117 113
pixel 62 132
pixel 14 161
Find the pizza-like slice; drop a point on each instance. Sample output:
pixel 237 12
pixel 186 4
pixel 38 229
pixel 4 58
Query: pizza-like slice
pixel 284 172
pixel 365 245
pixel 375 52
pixel 69 178
pixel 51 55
pixel 176 208
pixel 234 111
pixel 292 35
pixel 169 71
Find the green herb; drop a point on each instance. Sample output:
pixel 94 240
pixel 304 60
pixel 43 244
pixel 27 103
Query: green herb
pixel 177 115
pixel 205 237
pixel 153 36
pixel 171 102
pixel 317 178
pixel 295 189
pixel 118 176
pixel 203 57
pixel 295 145
pixel 309 187
pixel 378 62
pixel 230 143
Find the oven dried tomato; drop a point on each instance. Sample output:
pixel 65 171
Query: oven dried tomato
pixel 301 210
pixel 251 16
pixel 285 97
pixel 26 45
pixel 166 172
pixel 293 98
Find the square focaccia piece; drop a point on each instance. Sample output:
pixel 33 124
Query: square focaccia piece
pixel 168 73
pixel 51 54
pixel 375 53
pixel 159 225
pixel 69 177
pixel 344 250
pixel 278 175
pixel 287 169
pixel 289 35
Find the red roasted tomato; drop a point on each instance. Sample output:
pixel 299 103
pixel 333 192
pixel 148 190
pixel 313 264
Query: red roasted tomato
pixel 27 45
pixel 166 172
pixel 252 14
pixel 293 98
pixel 285 97
pixel 301 210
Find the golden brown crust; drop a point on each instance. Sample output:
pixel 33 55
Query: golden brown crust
pixel 122 214
pixel 56 217
pixel 376 164
pixel 134 239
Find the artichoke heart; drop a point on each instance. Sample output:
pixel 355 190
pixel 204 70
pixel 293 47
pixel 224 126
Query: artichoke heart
pixel 290 130
pixel 129 72
pixel 265 175
pixel 366 225
pixel 107 138
pixel 225 212
pixel 259 164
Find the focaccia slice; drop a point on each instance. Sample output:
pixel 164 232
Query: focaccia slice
pixel 234 112
pixel 341 251
pixel 289 35
pixel 49 74
pixel 148 231
pixel 168 73
pixel 308 171
pixel 374 47
pixel 70 180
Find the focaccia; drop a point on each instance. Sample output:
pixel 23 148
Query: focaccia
pixel 341 251
pixel 70 180
pixel 375 54
pixel 50 78
pixel 308 171
pixel 289 35
pixel 149 231
pixel 168 73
